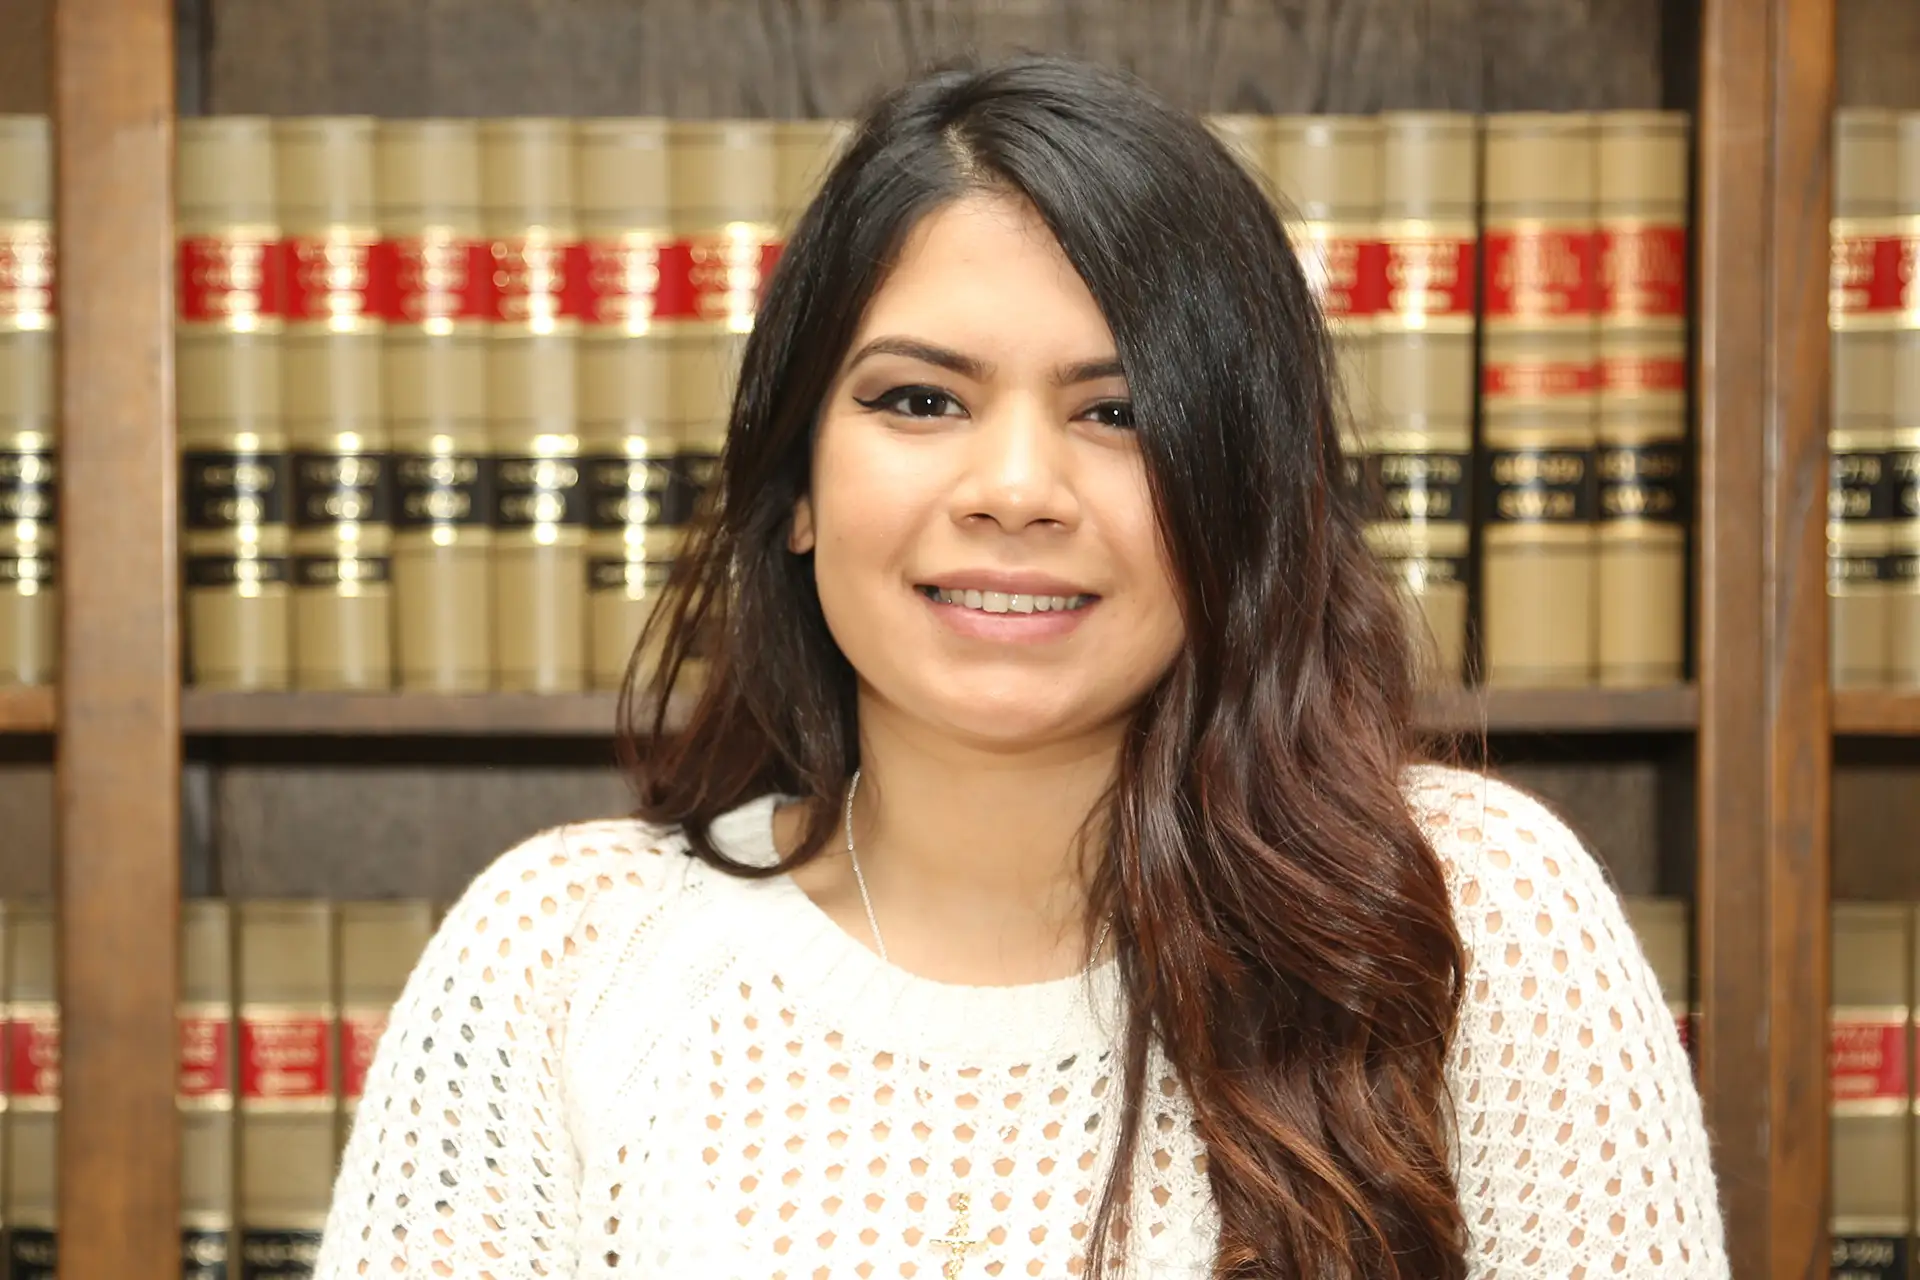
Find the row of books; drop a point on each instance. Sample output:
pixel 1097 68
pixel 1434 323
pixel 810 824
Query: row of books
pixel 449 390
pixel 1873 498
pixel 282 1006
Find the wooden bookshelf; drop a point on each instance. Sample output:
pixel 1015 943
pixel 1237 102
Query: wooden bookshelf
pixel 1877 713
pixel 26 710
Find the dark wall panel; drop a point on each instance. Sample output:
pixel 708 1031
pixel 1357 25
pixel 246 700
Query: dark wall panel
pixel 23 56
pixel 1879 53
pixel 26 819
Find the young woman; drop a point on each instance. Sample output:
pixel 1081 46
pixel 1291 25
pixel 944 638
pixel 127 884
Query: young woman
pixel 1044 883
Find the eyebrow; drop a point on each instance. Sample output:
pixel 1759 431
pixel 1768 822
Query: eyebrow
pixel 979 370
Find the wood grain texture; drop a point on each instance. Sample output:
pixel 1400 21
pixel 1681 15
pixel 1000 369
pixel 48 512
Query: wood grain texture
pixel 118 764
pixel 1879 53
pixel 1877 713
pixel 699 58
pixel 24 49
pixel 25 710
pixel 1765 94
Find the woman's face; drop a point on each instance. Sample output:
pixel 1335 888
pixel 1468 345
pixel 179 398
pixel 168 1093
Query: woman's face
pixel 984 542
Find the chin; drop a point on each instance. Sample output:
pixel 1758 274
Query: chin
pixel 1013 717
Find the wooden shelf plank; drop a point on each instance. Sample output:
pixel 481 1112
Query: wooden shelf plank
pixel 1877 713
pixel 584 715
pixel 26 710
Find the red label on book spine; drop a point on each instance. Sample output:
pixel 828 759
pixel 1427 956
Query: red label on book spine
pixel 1541 274
pixel 283 1057
pixel 360 1032
pixel 1642 374
pixel 1873 274
pixel 432 281
pixel 717 279
pixel 1426 277
pixel 620 281
pixel 26 276
pixel 236 280
pixel 1345 267
pixel 206 1069
pixel 330 279
pixel 539 282
pixel 1538 379
pixel 33 1056
pixel 1643 272
pixel 1867 1061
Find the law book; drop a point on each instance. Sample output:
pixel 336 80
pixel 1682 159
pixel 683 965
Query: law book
pixel 1643 481
pixel 29 602
pixel 379 943
pixel 287 1076
pixel 725 207
pixel 32 1053
pixel 1863 300
pixel 434 268
pixel 1418 456
pixel 1538 383
pixel 1903 456
pixel 628 441
pixel 539 503
pixel 807 149
pixel 1250 138
pixel 235 472
pixel 341 511
pixel 1664 927
pixel 1871 1161
pixel 206 1089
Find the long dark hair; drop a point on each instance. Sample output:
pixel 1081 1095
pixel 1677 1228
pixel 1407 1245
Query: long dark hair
pixel 1284 927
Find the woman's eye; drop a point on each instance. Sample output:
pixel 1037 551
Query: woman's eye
pixel 1113 413
pixel 913 402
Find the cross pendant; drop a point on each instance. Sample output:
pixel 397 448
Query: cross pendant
pixel 956 1241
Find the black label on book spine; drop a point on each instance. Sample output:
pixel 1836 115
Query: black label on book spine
pixel 613 573
pixel 1903 466
pixel 445 490
pixel 1846 573
pixel 233 490
pixel 229 572
pixel 534 492
pixel 203 1254
pixel 1643 482
pixel 18 570
pixel 1417 488
pixel 1859 486
pixel 278 1255
pixel 325 573
pixel 28 488
pixel 34 1253
pixel 341 488
pixel 1540 485
pixel 624 493
pixel 1902 569
pixel 693 474
pixel 1868 1258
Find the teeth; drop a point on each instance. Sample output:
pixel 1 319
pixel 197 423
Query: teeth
pixel 971 599
pixel 1006 602
pixel 1060 602
pixel 1020 604
pixel 993 601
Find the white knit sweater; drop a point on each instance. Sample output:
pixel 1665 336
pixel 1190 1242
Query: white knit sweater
pixel 614 1060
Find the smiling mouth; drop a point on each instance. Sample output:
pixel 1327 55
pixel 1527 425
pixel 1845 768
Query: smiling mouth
pixel 1006 602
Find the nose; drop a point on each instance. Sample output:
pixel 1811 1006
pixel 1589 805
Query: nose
pixel 1018 471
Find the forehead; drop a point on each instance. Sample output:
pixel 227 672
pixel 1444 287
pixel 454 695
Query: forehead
pixel 986 270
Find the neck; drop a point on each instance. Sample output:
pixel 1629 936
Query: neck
pixel 976 859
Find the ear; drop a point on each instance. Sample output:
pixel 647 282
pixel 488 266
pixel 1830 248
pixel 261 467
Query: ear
pixel 800 533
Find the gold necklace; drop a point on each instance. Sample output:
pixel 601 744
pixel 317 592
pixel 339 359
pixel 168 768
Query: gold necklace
pixel 957 1241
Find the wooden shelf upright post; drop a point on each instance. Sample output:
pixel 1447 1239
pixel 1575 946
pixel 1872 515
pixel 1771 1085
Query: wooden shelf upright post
pixel 1766 93
pixel 118 744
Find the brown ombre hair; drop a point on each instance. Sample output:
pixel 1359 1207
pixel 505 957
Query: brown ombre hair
pixel 1283 926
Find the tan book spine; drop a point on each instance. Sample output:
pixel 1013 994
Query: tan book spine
pixel 379 945
pixel 206 1089
pixel 807 150
pixel 1862 310
pixel 33 1092
pixel 342 530
pixel 1538 384
pixel 1664 928
pixel 29 600
pixel 1903 461
pixel 725 193
pixel 626 395
pixel 539 504
pixel 235 474
pixel 287 1079
pixel 434 270
pixel 1644 488
pixel 1251 140
pixel 1419 448
pixel 1871 1163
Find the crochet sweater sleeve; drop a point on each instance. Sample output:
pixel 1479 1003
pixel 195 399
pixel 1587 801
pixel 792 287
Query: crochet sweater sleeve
pixel 1581 1151
pixel 460 1163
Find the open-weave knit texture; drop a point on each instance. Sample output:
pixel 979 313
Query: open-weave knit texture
pixel 614 1060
